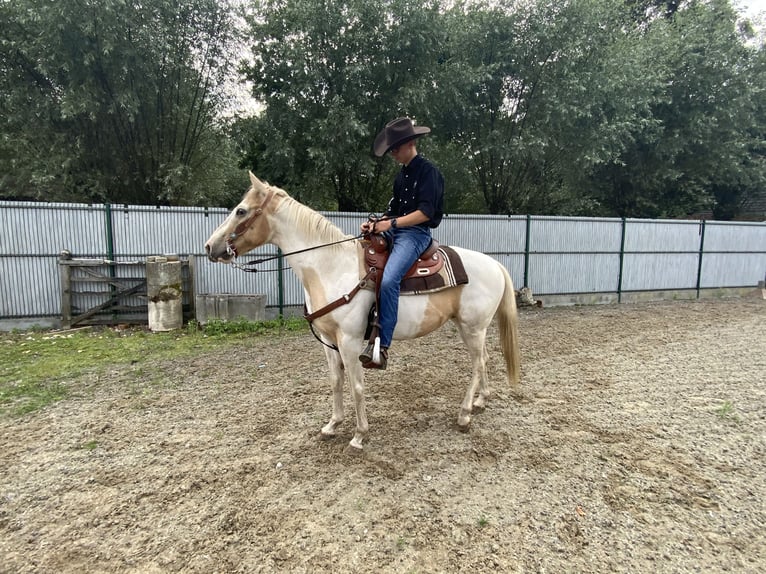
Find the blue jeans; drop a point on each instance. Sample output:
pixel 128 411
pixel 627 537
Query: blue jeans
pixel 408 244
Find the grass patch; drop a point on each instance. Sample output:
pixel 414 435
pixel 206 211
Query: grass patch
pixel 29 396
pixel 241 326
pixel 37 367
pixel 727 412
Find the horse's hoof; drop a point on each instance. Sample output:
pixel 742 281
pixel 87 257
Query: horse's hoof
pixel 353 451
pixel 464 427
pixel 478 409
pixel 326 436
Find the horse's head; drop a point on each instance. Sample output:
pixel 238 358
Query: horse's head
pixel 246 227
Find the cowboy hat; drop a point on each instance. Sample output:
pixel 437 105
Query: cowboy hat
pixel 396 133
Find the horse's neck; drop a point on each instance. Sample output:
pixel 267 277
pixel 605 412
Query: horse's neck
pixel 295 228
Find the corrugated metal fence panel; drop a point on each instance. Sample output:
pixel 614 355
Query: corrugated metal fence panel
pixel 574 255
pixel 48 228
pixel 724 264
pixel 146 230
pixel 31 239
pixel 662 236
pixel 486 233
pixel 501 237
pixel 29 286
pixel 567 255
pixel 660 255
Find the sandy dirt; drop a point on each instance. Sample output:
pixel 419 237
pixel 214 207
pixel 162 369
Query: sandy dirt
pixel 636 443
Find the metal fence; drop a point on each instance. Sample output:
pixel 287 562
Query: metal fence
pixel 554 256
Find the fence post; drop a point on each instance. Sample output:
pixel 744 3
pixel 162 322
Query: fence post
pixel 702 252
pixel 622 261
pixel 192 268
pixel 280 284
pixel 65 274
pixel 109 232
pixel 528 234
pixel 110 245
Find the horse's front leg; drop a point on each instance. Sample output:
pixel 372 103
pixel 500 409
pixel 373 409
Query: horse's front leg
pixel 350 355
pixel 335 363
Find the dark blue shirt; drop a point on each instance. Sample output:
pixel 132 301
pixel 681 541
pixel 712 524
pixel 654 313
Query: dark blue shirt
pixel 419 185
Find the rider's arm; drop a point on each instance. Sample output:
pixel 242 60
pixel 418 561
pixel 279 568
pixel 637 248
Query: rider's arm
pixel 413 218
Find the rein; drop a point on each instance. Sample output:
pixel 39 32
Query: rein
pixel 245 225
pixel 244 266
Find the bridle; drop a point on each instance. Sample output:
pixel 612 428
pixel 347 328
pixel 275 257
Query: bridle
pixel 245 225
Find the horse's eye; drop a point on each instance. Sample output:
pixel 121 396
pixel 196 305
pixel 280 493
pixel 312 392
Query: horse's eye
pixel 241 211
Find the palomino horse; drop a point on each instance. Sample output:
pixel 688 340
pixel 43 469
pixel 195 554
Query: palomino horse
pixel 268 214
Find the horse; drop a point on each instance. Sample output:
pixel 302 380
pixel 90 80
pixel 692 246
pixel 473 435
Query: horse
pixel 268 214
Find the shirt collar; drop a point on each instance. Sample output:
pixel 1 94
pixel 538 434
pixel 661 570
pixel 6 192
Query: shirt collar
pixel 416 161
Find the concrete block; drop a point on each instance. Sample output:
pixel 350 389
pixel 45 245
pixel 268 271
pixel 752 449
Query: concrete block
pixel 230 307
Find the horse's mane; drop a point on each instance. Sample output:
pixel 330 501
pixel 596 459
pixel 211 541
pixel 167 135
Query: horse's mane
pixel 303 217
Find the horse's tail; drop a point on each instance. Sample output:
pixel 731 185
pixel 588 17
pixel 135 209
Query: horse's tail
pixel 508 325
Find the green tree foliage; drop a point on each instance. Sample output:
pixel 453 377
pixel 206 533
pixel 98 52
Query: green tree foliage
pixel 331 73
pixel 537 94
pixel 114 100
pixel 639 108
pixel 700 151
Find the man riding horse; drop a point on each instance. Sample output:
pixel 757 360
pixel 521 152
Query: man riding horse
pixel 415 208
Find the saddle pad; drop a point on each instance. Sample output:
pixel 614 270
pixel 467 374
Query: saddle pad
pixel 451 275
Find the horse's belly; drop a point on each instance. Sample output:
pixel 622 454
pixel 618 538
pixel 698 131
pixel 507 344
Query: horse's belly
pixel 422 314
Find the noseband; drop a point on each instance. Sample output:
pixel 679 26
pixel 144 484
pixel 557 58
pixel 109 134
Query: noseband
pixel 245 225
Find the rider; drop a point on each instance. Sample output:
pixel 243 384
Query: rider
pixel 415 208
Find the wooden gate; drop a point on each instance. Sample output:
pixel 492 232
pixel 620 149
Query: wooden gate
pixel 104 292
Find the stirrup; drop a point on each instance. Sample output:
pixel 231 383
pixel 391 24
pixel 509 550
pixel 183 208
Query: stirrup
pixel 368 363
pixel 366 355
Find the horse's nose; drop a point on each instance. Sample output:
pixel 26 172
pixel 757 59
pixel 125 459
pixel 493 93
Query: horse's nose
pixel 208 250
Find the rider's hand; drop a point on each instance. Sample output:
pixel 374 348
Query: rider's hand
pixel 370 226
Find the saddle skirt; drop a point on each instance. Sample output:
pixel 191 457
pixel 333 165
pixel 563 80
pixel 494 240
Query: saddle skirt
pixel 438 267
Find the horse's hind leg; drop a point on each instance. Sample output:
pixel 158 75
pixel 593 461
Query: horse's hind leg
pixel 336 380
pixel 474 340
pixel 480 400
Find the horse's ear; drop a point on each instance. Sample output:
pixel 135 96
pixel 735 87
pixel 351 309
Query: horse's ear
pixel 255 182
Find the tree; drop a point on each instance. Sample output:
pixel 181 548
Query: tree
pixel 539 93
pixel 330 74
pixel 116 100
pixel 698 153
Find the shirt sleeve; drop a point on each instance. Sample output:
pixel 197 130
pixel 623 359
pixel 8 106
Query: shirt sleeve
pixel 430 192
pixel 393 203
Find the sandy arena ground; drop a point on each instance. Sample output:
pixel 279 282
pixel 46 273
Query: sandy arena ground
pixel 636 443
